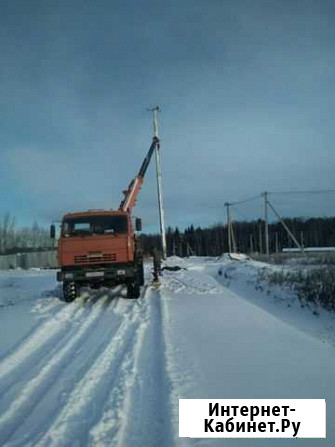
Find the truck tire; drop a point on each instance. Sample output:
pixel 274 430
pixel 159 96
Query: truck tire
pixel 133 290
pixel 70 291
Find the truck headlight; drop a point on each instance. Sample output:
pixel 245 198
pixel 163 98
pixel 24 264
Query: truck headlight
pixel 121 272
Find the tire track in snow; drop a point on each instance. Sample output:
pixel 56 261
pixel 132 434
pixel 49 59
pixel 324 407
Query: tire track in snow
pixel 146 411
pixel 42 342
pixel 36 388
pixel 110 371
pixel 43 331
pixel 27 370
pixel 48 409
pixel 108 425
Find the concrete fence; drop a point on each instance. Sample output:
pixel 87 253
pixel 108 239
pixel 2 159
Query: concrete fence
pixel 39 259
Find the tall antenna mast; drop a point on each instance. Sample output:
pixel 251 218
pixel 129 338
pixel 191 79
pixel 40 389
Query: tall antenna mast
pixel 155 111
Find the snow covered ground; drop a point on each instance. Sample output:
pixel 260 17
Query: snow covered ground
pixel 105 370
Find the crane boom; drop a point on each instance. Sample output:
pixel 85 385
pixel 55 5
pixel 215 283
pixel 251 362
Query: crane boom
pixel 130 194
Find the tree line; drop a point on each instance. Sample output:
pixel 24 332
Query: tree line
pixel 24 239
pixel 249 237
pixel 209 241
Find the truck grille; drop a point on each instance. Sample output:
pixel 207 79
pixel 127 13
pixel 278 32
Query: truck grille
pixel 95 258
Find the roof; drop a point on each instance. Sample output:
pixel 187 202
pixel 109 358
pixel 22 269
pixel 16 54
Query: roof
pixel 93 213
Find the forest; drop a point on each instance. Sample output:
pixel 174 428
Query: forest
pixel 208 241
pixel 249 237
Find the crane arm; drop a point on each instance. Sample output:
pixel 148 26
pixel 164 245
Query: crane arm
pixel 130 194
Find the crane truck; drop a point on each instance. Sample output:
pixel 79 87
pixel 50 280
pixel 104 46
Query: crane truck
pixel 101 247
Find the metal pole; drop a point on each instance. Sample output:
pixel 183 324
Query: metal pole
pixel 233 236
pixel 228 226
pixel 251 244
pixel 287 229
pixel 266 229
pixel 302 238
pixel 277 244
pixel 155 110
pixel 260 236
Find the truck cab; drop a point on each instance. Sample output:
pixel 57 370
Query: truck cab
pixel 99 247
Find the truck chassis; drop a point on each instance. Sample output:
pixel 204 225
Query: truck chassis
pixel 130 274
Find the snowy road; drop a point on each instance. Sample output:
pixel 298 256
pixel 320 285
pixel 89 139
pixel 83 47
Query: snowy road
pixel 105 370
pixel 78 374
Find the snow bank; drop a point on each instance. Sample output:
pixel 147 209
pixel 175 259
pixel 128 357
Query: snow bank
pixel 245 279
pixel 222 346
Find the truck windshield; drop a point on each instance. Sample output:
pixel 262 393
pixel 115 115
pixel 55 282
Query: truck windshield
pixel 95 225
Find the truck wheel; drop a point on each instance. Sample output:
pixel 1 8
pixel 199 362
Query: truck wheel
pixel 70 291
pixel 133 290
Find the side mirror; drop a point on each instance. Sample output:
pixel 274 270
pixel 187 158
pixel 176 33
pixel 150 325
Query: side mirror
pixel 138 224
pixel 52 231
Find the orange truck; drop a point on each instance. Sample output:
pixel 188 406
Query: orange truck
pixel 101 247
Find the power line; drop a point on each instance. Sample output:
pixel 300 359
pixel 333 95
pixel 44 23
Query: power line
pixel 320 191
pixel 250 199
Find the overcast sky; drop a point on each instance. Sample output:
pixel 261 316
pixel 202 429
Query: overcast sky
pixel 246 89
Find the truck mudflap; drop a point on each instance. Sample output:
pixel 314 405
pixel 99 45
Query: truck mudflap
pixel 119 274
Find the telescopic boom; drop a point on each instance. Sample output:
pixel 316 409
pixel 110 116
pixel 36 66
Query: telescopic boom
pixel 130 194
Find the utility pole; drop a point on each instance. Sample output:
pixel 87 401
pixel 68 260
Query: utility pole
pixel 228 226
pixel 287 229
pixel 266 228
pixel 260 236
pixel 155 110
pixel 251 244
pixel 233 236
